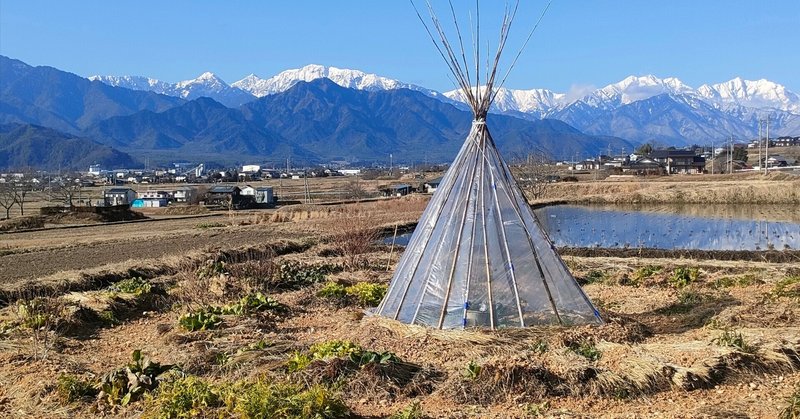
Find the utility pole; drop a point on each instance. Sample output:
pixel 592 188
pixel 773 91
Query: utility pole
pixel 712 157
pixel 766 150
pixel 759 144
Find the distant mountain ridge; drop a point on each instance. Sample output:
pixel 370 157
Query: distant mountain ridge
pixel 708 113
pixel 321 121
pixel 64 101
pixel 30 146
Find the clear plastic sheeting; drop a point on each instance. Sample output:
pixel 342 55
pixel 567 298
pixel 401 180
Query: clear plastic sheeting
pixel 479 258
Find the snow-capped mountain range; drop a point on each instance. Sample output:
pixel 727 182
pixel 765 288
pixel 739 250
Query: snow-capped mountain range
pixel 206 85
pixel 640 108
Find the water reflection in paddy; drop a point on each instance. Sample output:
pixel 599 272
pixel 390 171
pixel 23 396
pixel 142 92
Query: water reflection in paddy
pixel 702 227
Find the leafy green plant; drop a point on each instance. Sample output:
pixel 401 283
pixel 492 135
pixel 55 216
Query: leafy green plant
pixel 37 313
pixel 792 409
pixel 682 276
pixel 333 291
pixel 203 319
pixel 412 411
pixel 125 385
pixel 586 349
pixel 472 370
pixel 70 389
pixel 645 272
pixel 357 355
pixel 264 399
pixel 367 294
pixel 251 303
pixel 734 339
pixel 298 361
pixel 135 286
pixel 295 275
pixel 363 293
pixel 186 397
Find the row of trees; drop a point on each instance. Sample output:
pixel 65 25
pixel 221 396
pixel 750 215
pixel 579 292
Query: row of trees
pixel 12 194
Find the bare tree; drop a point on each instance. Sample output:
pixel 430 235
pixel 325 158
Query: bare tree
pixel 354 190
pixel 8 198
pixel 534 172
pixel 20 191
pixel 66 193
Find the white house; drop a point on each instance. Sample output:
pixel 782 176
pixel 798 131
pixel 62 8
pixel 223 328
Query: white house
pixel 119 196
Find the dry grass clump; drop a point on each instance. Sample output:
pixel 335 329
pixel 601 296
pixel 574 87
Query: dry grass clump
pixel 22 223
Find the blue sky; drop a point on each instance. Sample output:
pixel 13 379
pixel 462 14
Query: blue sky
pixel 580 43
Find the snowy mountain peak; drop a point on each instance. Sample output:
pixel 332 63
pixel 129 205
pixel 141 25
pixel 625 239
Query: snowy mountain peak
pixel 760 93
pixel 353 79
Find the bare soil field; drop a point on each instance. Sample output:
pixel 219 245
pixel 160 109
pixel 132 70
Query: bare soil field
pixel 266 314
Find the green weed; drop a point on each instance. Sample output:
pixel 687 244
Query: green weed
pixel 412 411
pixel 792 409
pixel 586 349
pixel 734 340
pixel 367 294
pixel 263 399
pixel 737 281
pixel 536 410
pixel 363 293
pixel 472 370
pixel 788 287
pixel 127 384
pixel 135 286
pixel 187 397
pixel 70 389
pixel 645 272
pixel 202 319
pixel 682 277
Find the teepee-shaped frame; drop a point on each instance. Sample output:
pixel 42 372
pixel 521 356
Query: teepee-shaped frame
pixel 478 257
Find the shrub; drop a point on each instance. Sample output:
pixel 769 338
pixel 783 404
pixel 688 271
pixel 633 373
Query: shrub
pixel 135 285
pixel 185 398
pixel 682 276
pixel 202 319
pixel 70 388
pixel 734 340
pixel 586 349
pixel 128 384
